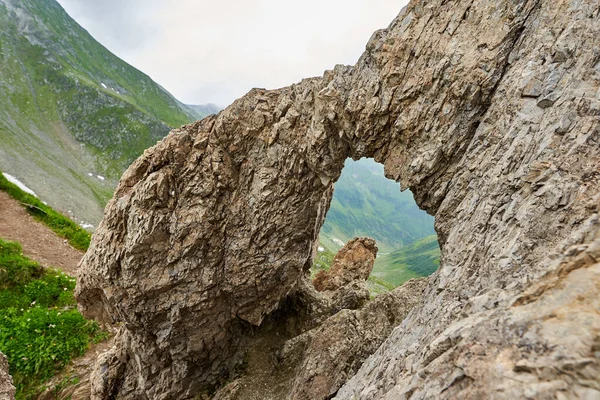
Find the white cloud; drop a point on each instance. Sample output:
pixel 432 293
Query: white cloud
pixel 205 51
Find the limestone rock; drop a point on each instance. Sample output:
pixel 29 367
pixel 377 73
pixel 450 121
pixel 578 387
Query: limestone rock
pixel 212 230
pixel 543 343
pixel 354 262
pixel 7 390
pixel 308 349
pixel 332 353
pixel 286 339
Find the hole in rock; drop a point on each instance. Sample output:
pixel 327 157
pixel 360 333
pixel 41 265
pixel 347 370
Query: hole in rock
pixel 366 203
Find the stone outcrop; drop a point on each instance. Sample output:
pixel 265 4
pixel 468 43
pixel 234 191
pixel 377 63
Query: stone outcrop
pixel 354 262
pixel 7 390
pixel 543 343
pixel 327 356
pixel 316 341
pixel 488 111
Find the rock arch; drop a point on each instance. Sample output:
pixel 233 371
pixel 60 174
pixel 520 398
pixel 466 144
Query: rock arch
pixel 491 124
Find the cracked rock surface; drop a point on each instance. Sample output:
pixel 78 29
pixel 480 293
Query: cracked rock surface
pixel 7 390
pixel 328 355
pixel 489 111
pixel 354 262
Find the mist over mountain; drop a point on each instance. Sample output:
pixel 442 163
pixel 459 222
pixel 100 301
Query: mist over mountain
pixel 205 109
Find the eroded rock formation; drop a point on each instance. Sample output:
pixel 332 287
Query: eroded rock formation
pixel 309 347
pixel 324 358
pixel 354 262
pixel 488 111
pixel 7 390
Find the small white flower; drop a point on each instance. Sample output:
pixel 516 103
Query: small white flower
pixel 33 303
pixel 65 289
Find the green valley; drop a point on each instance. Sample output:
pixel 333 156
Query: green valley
pixel 365 203
pixel 421 258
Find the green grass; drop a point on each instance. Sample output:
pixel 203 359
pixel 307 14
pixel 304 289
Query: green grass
pixel 61 225
pixel 322 262
pixel 378 286
pixel 421 258
pixel 40 327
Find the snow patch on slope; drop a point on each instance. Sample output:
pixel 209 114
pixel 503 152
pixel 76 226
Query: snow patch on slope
pixel 20 184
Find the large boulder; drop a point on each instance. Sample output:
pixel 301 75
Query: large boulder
pixel 488 111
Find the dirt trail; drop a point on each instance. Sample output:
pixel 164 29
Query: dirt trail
pixel 42 245
pixel 38 241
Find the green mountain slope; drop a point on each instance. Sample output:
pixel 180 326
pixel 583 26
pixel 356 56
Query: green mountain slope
pixel 365 203
pixel 71 112
pixel 421 258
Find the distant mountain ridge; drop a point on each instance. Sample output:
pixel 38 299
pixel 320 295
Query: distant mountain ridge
pixel 205 109
pixel 73 116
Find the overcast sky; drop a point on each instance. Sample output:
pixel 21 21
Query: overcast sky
pixel 215 51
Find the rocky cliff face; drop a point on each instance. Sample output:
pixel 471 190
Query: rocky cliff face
pixel 488 111
pixel 7 390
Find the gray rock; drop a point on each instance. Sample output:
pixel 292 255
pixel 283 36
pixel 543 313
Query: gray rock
pixel 548 100
pixel 333 352
pixel 564 125
pixel 212 230
pixel 7 390
pixel 533 88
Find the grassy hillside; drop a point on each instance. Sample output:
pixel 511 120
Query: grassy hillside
pixel 72 115
pixel 421 258
pixel 366 203
pixel 40 327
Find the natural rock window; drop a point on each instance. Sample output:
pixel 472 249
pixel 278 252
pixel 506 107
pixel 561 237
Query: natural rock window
pixel 367 204
pixel 210 231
